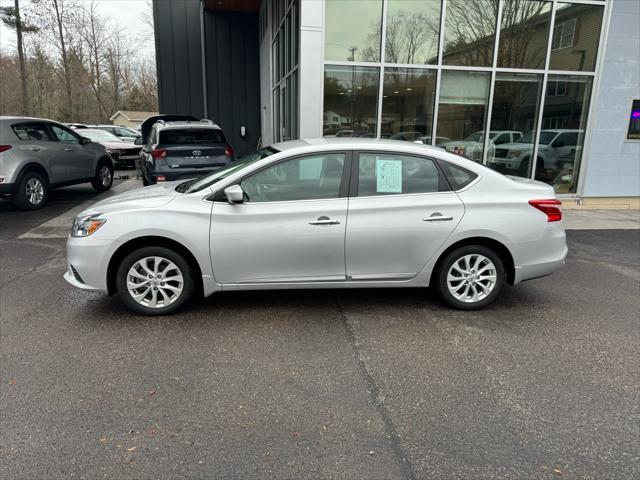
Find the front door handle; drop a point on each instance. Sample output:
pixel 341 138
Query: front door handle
pixel 325 221
pixel 437 217
pixel 34 149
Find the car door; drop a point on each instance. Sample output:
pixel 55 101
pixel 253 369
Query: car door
pixel 401 210
pixel 290 227
pixel 78 161
pixel 561 146
pixel 39 145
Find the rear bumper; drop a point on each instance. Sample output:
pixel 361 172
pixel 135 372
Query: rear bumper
pixel 542 257
pixel 171 175
pixel 7 188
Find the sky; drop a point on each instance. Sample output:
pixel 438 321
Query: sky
pixel 127 14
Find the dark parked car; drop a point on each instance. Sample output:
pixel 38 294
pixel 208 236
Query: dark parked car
pixel 124 154
pixel 180 147
pixel 37 155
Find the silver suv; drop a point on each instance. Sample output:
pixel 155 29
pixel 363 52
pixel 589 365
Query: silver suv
pixel 37 155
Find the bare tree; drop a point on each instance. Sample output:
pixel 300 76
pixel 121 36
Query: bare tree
pixel 11 17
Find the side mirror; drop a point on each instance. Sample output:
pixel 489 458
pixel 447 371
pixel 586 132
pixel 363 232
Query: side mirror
pixel 85 141
pixel 234 194
pixel 138 141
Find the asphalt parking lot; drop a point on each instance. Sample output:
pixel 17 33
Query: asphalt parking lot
pixel 372 384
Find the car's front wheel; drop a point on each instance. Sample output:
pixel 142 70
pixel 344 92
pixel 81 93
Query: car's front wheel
pixel 470 277
pixel 104 177
pixel 154 281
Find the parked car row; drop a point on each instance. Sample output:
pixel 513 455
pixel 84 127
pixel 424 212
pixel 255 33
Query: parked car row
pixel 37 155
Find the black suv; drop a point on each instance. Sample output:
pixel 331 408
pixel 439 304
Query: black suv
pixel 180 147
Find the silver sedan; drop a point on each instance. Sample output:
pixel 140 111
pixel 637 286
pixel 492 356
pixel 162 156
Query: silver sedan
pixel 324 213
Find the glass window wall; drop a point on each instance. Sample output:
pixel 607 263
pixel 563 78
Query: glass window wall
pixel 353 30
pixel 350 101
pixel 407 104
pixel 514 115
pixel 412 31
pixel 486 57
pixel 470 31
pixel 462 110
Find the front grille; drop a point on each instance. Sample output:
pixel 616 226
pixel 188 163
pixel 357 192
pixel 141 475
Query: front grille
pixel 501 153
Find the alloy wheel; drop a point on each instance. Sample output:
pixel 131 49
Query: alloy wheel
pixel 105 176
pixel 471 278
pixel 34 191
pixel 155 282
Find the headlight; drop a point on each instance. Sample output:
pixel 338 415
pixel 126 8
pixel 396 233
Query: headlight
pixel 85 226
pixel 513 154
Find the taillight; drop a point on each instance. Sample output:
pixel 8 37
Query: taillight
pixel 550 207
pixel 228 151
pixel 159 153
pixel 4 148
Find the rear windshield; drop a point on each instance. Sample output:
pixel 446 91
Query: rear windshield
pixel 190 136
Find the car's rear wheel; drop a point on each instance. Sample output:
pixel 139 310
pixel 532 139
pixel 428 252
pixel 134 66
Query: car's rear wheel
pixel 32 191
pixel 470 277
pixel 154 281
pixel 104 177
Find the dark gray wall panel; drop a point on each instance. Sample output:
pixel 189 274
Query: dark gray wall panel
pixel 179 56
pixel 233 77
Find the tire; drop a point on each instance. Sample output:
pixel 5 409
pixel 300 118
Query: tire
pixel 32 191
pixel 459 294
pixel 170 295
pixel 145 182
pixel 523 170
pixel 104 177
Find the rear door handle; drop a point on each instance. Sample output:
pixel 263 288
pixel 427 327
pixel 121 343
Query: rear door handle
pixel 325 221
pixel 69 149
pixel 437 217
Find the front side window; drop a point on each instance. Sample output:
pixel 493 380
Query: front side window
pixel 64 135
pixel 31 131
pixel 309 178
pixel 389 174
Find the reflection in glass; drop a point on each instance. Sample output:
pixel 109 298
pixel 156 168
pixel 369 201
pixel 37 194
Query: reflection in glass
pixel 462 112
pixel 564 119
pixel 516 103
pixel 470 32
pixel 524 33
pixel 353 30
pixel 407 104
pixel 350 101
pixel 412 31
pixel 576 35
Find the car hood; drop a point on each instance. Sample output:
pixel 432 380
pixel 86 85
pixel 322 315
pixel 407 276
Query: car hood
pixel 519 147
pixel 145 197
pixel 115 145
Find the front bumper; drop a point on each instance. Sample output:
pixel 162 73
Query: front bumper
pixel 90 259
pixel 7 188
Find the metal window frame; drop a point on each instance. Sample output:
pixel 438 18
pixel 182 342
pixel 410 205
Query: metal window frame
pixel 545 72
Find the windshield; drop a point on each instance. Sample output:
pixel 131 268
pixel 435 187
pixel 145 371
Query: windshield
pixel 204 182
pixel 545 137
pixel 478 137
pixel 99 136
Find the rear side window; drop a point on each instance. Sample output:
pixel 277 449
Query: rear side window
pixel 31 131
pixel 190 136
pixel 394 174
pixel 458 177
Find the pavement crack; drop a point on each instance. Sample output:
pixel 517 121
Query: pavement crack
pixel 374 391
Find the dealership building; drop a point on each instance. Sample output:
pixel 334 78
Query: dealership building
pixel 545 89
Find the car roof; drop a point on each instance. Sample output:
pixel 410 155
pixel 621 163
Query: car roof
pixel 353 143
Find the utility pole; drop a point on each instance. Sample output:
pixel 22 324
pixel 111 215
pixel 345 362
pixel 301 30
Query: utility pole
pixel 23 69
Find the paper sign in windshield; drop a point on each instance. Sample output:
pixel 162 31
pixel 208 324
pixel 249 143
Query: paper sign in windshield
pixel 389 176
